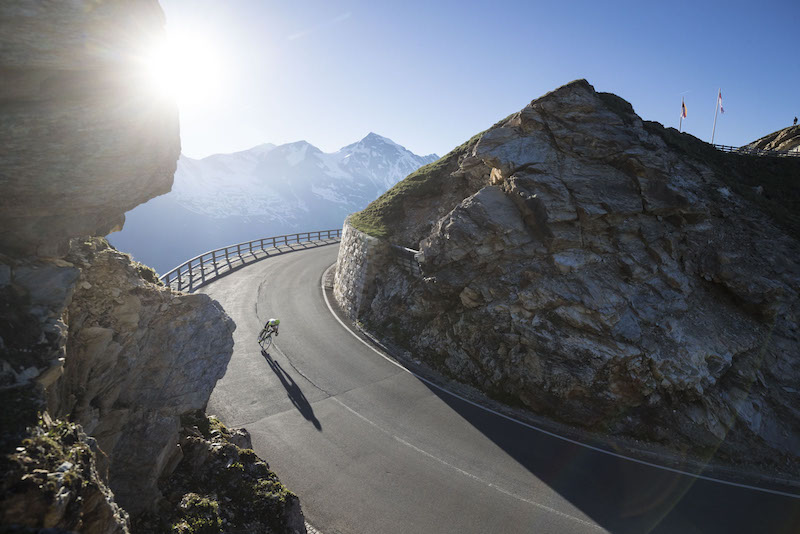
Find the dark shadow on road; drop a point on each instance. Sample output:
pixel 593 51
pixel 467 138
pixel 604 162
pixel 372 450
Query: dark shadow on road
pixel 626 497
pixel 293 391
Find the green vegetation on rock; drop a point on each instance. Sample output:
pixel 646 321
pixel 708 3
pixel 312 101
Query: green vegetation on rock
pixel 200 515
pixel 51 480
pixel 219 483
pixel 386 211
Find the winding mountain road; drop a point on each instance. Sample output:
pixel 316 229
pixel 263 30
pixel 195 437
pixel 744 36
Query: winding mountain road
pixel 370 448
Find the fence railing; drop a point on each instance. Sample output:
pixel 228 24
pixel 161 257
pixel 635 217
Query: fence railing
pixel 747 151
pixel 201 269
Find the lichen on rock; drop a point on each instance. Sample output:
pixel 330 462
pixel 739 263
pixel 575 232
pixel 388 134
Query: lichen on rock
pixel 221 485
pixel 51 481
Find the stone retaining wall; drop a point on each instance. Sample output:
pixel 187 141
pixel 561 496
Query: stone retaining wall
pixel 361 258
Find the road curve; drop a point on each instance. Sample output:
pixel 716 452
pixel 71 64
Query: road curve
pixel 369 448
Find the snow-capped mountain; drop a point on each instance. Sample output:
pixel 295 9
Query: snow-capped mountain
pixel 266 190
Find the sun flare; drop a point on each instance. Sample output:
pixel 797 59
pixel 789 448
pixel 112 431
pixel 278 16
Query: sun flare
pixel 183 66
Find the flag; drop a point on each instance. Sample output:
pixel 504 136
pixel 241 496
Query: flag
pixel 719 101
pixel 683 109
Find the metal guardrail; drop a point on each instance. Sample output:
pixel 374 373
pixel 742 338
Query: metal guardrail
pixel 746 151
pixel 201 269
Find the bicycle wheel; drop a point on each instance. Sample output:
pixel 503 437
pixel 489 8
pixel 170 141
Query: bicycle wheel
pixel 266 342
pixel 262 335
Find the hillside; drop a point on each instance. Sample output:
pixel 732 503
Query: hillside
pixel 599 270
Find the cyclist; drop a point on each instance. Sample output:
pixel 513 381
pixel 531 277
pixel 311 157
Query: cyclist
pixel 272 326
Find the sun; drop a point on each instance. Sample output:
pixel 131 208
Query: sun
pixel 183 66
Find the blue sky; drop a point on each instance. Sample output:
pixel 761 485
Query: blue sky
pixel 431 74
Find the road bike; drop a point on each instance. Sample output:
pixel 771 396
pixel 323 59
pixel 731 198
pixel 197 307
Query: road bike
pixel 265 338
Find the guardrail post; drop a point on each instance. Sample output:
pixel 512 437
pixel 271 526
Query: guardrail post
pixel 238 250
pixel 191 276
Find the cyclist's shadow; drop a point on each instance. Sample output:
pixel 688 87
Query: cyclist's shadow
pixel 293 390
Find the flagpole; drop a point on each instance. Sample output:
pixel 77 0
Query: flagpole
pixel 716 107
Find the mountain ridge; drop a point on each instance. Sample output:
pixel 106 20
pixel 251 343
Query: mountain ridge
pixel 265 190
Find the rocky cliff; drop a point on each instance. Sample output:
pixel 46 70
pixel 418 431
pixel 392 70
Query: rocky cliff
pixel 787 139
pixel 77 116
pixel 99 362
pixel 605 272
pixel 138 357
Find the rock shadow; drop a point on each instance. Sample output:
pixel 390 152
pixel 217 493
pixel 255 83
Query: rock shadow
pixel 626 497
pixel 293 391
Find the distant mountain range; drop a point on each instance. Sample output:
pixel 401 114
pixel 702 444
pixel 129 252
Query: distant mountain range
pixel 266 190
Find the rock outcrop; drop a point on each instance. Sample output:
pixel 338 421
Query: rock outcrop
pixel 139 356
pixel 606 272
pixel 117 353
pixel 220 485
pixel 51 481
pixel 85 139
pixel 785 140
pixel 86 333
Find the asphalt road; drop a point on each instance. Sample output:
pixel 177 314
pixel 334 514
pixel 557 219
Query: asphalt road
pixel 369 448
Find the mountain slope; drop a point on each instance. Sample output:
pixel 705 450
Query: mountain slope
pixel 599 270
pixel 266 190
pixel 787 139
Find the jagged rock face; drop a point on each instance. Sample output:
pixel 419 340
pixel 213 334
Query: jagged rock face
pixel 787 139
pixel 52 482
pixel 221 482
pixel 84 137
pixel 138 356
pixel 117 353
pixel 592 273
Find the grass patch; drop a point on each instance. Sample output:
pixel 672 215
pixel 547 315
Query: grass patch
pixel 200 515
pixel 386 213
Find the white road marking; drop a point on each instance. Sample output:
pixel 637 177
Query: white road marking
pixel 533 427
pixel 466 473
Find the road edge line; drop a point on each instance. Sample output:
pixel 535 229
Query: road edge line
pixel 534 427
